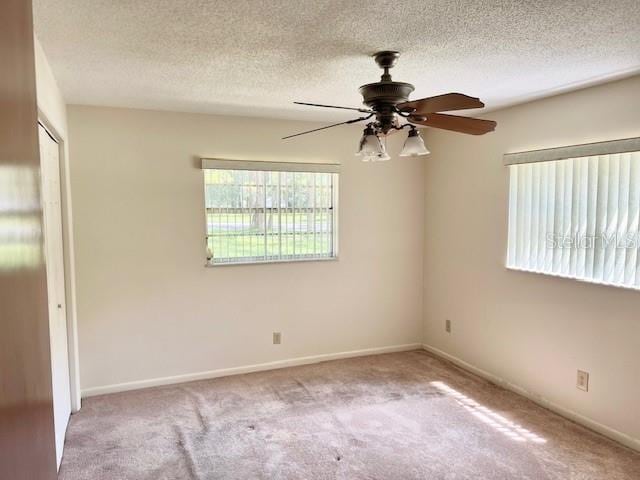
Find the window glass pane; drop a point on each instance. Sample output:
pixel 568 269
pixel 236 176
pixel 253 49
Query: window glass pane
pixel 262 216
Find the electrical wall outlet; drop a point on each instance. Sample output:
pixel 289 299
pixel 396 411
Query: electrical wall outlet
pixel 277 338
pixel 447 325
pixel 583 381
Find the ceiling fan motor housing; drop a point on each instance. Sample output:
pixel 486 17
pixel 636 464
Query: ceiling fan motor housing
pixel 386 91
pixel 381 93
pixel 383 96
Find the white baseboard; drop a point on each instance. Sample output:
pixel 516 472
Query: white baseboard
pixel 620 437
pixel 292 362
pixel 224 372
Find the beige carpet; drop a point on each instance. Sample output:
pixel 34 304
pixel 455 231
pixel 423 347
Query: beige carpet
pixel 385 417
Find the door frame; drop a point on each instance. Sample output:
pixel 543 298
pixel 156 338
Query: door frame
pixel 69 261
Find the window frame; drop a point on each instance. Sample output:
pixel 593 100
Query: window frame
pixel 282 167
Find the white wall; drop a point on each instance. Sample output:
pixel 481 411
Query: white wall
pixel 147 306
pixel 51 105
pixel 531 330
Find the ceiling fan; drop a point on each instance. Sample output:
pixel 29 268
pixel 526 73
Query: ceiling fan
pixel 388 104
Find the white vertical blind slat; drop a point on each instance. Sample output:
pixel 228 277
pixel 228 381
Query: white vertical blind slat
pixel 558 225
pixel 528 180
pixel 513 207
pixel 535 216
pixel 631 265
pixel 612 219
pixel 601 218
pixel 551 215
pixel 542 234
pixel 566 216
pixel 521 212
pixel 576 187
pixel 623 218
pixel 592 199
pixel 635 181
pixel 581 208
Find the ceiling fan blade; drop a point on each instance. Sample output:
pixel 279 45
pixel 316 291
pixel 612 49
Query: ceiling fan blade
pixel 363 110
pixel 355 120
pixel 472 126
pixel 440 103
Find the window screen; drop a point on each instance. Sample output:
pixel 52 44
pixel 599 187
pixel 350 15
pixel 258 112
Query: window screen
pixel 255 216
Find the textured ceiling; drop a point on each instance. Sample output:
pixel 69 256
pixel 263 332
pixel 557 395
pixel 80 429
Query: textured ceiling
pixel 254 57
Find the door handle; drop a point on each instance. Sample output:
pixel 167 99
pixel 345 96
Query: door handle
pixel 59 305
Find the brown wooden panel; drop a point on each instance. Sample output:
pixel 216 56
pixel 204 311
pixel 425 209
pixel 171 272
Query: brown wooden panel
pixel 472 126
pixel 27 445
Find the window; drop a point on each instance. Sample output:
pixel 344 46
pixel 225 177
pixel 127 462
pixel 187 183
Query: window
pixel 577 217
pixel 260 212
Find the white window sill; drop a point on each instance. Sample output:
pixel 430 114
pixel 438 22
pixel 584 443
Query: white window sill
pixel 262 262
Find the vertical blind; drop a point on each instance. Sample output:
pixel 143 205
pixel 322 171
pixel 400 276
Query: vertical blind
pixel 577 218
pixel 255 216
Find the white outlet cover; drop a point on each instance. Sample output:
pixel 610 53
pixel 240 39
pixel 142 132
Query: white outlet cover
pixel 583 380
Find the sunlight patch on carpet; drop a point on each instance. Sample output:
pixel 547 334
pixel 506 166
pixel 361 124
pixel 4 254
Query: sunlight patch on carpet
pixel 486 415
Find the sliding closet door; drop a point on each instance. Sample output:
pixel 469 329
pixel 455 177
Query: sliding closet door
pixel 27 443
pixel 54 255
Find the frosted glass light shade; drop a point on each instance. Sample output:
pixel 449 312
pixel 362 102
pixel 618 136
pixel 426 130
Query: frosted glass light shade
pixel 414 145
pixel 371 148
pixel 370 145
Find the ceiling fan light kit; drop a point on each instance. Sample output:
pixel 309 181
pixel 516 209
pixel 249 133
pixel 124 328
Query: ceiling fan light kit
pixel 388 101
